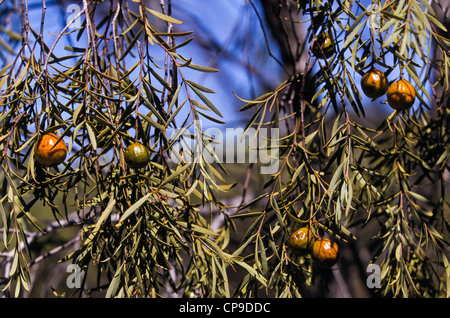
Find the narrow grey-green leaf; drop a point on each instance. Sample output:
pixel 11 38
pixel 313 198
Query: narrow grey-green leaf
pixel 115 282
pixel 207 102
pixel 92 137
pixel 175 174
pixel 200 87
pixel 105 214
pixel 134 207
pixel 163 16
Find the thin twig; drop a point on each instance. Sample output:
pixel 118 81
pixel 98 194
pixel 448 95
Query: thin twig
pixel 42 257
pixel 114 30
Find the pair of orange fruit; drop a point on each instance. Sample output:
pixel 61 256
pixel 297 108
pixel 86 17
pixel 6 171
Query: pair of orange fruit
pixel 51 151
pixel 324 251
pixel 400 94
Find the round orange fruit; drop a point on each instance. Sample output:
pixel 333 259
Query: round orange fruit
pixel 374 83
pixel 302 240
pixel 401 95
pixel 137 155
pixel 48 151
pixel 325 252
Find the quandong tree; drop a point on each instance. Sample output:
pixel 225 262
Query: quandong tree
pixel 138 221
pixel 339 173
pixel 135 214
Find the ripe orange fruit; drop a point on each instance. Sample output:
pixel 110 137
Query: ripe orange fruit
pixel 401 95
pixel 137 155
pixel 325 252
pixel 323 46
pixel 48 152
pixel 302 240
pixel 374 83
